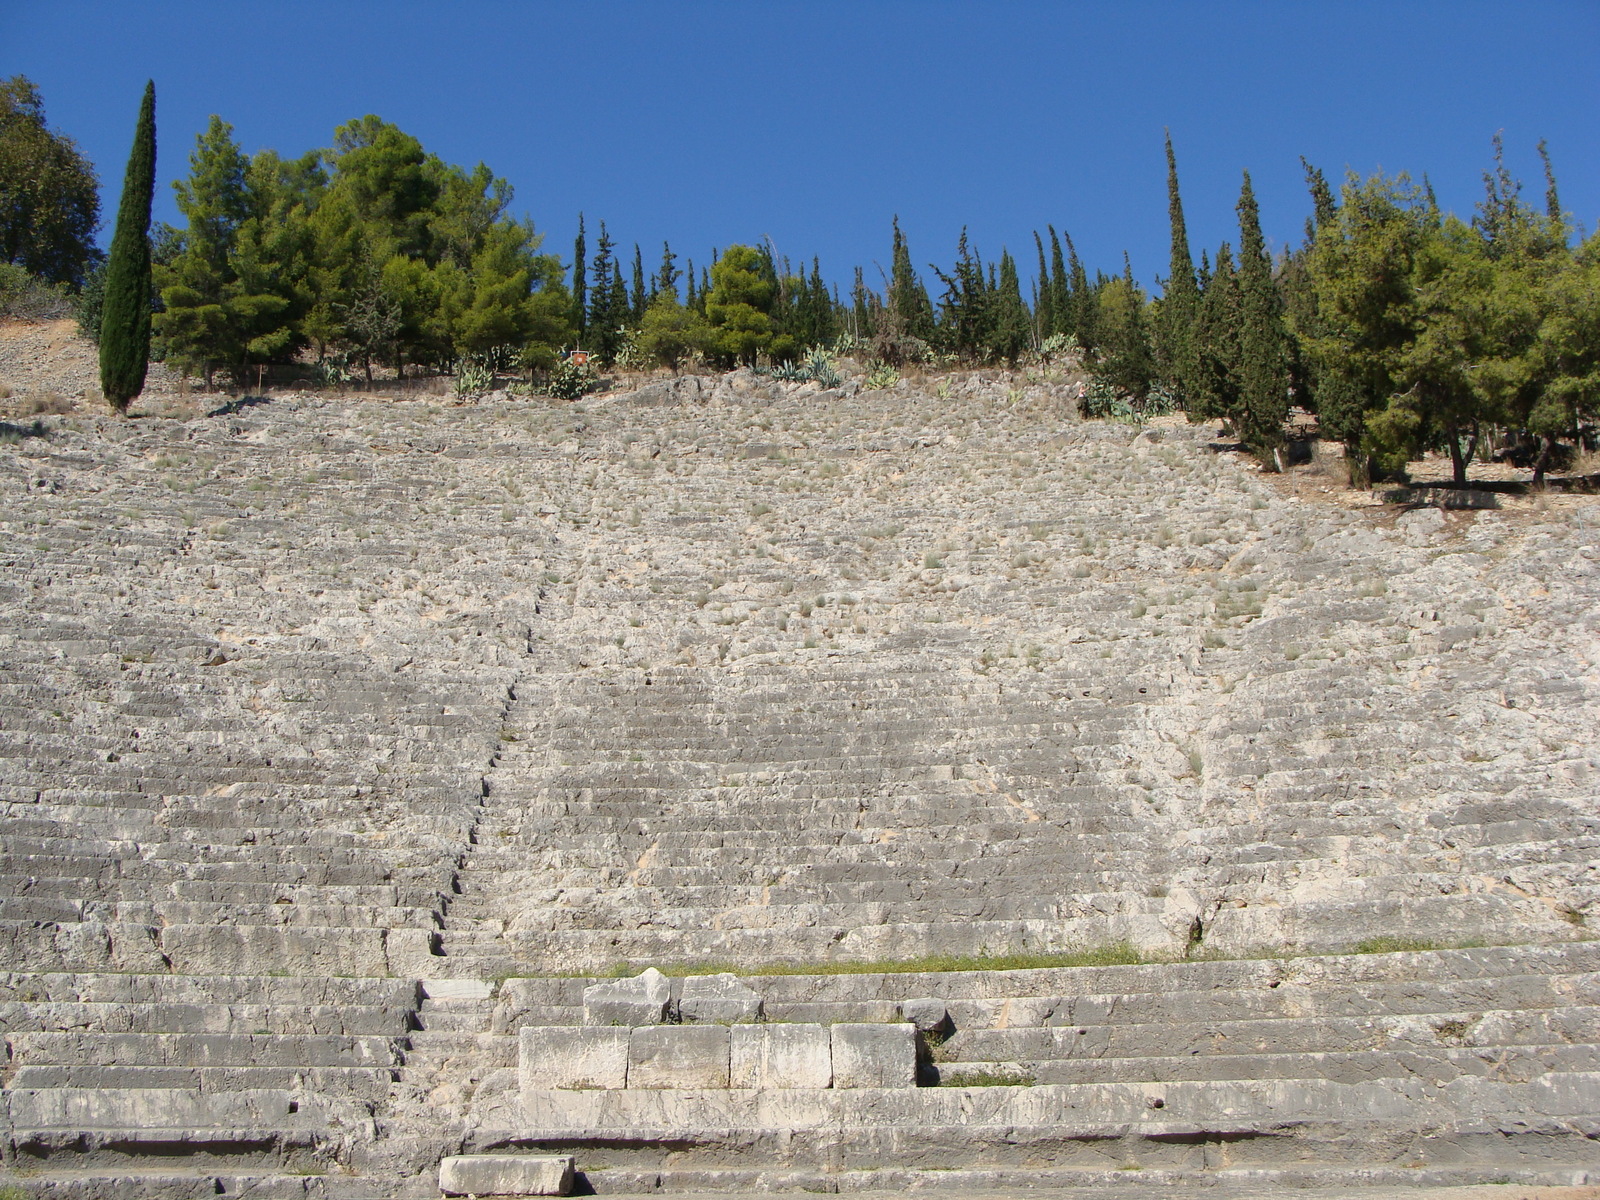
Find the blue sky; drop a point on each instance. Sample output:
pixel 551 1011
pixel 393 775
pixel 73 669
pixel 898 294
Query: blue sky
pixel 710 123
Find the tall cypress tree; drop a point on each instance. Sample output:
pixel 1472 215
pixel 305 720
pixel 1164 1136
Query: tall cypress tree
pixel 1043 297
pixel 125 315
pixel 1008 336
pixel 907 296
pixel 1263 361
pixel 580 282
pixel 1060 290
pixel 1217 341
pixel 1084 302
pixel 1180 303
pixel 640 298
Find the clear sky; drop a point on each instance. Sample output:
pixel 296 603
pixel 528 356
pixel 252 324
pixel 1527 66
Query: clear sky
pixel 814 123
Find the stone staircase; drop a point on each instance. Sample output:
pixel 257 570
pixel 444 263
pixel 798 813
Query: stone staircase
pixel 1422 1068
pixel 339 741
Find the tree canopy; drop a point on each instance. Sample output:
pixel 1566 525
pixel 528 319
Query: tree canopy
pixel 49 196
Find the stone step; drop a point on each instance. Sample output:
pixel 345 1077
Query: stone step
pixel 1265 1122
pixel 193 1051
pixel 1131 1181
pixel 370 1084
pixel 1409 1060
pixel 224 1018
pixel 1283 1035
pixel 167 1182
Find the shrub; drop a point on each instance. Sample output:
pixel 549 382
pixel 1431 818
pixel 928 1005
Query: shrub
pixel 29 297
pixel 89 302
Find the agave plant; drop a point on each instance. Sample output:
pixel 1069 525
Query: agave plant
pixel 880 377
pixel 820 367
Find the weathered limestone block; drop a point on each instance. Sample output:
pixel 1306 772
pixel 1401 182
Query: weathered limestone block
pixel 928 1013
pixel 781 1056
pixel 646 999
pixel 678 1056
pixel 718 998
pixel 412 952
pixel 875 1056
pixel 572 1057
pixel 506 1175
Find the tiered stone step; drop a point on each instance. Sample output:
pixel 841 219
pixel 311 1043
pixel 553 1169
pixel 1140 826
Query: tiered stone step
pixel 1449 1066
pixel 273 1071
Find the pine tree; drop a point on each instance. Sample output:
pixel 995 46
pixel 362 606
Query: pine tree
pixel 1324 208
pixel 667 276
pixel 1124 358
pixel 125 319
pixel 604 319
pixel 1180 303
pixel 1301 316
pixel 1552 200
pixel 1263 362
pixel 692 296
pixel 580 285
pixel 222 306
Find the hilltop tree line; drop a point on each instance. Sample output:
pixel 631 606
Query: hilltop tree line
pixel 1400 327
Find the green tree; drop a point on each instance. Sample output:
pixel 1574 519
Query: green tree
pixel 907 296
pixel 1062 319
pixel 1180 302
pixel 1012 327
pixel 668 274
pixel 1043 294
pixel 671 332
pixel 1263 352
pixel 125 313
pixel 967 317
pixel 639 299
pixel 216 315
pixel 607 310
pixel 1361 273
pixel 1083 302
pixel 1216 385
pixel 49 196
pixel 1123 357
pixel 580 282
pixel 737 306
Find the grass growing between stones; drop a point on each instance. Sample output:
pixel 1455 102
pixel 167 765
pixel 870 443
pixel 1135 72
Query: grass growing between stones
pixel 1112 954
pixel 986 1078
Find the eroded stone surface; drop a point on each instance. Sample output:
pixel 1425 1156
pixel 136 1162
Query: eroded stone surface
pixel 313 692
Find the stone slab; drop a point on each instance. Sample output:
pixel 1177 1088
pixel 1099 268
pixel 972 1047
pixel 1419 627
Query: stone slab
pixel 646 999
pixel 718 999
pixel 572 1058
pixel 781 1056
pixel 875 1056
pixel 678 1056
pixel 506 1175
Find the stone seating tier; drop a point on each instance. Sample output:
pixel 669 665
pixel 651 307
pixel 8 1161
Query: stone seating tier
pixel 309 739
